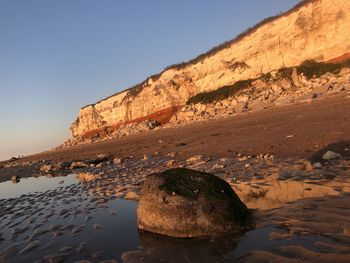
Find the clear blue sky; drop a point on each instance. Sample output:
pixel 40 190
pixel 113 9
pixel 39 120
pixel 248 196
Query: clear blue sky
pixel 57 56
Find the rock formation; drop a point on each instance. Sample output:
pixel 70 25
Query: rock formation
pixel 187 203
pixel 313 30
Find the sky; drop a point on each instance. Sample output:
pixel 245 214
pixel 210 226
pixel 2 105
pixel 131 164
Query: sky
pixel 56 56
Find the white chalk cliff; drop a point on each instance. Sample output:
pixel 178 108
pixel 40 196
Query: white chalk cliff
pixel 314 30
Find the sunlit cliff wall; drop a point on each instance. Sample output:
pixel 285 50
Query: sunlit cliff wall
pixel 315 29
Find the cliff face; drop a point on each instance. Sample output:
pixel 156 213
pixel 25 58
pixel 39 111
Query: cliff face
pixel 316 30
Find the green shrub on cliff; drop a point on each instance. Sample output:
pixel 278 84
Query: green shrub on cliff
pixel 311 68
pixel 219 94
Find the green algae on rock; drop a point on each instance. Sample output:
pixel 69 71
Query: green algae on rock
pixel 187 203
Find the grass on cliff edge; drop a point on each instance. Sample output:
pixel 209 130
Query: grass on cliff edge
pixel 310 69
pixel 191 184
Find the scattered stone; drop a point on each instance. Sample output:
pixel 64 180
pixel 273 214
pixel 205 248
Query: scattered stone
pixel 290 136
pixel 308 166
pixel 317 165
pixel 195 158
pixel 80 164
pixel 172 154
pixel 170 163
pixel 203 205
pixel 103 156
pixel 330 155
pixel 46 168
pixel 117 160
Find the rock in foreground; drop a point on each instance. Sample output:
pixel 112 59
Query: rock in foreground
pixel 188 203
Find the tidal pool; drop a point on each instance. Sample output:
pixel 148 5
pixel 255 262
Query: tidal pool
pixel 70 219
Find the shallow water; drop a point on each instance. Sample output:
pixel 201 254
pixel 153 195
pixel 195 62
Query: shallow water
pixel 66 219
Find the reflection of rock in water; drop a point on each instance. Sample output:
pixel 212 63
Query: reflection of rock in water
pixel 271 193
pixel 157 248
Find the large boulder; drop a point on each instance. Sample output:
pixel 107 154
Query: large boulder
pixel 187 203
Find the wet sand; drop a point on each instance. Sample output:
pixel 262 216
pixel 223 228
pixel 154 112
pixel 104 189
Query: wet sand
pixel 301 215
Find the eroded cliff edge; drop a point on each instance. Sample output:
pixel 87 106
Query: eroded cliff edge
pixel 315 30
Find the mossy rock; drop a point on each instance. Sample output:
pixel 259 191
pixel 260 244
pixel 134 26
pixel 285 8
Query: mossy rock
pixel 187 203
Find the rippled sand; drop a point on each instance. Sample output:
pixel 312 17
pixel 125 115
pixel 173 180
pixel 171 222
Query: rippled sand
pixel 301 216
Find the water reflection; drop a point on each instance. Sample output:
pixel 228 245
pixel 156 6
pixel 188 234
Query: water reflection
pixel 157 248
pixel 270 193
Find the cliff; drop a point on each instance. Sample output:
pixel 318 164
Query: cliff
pixel 313 30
